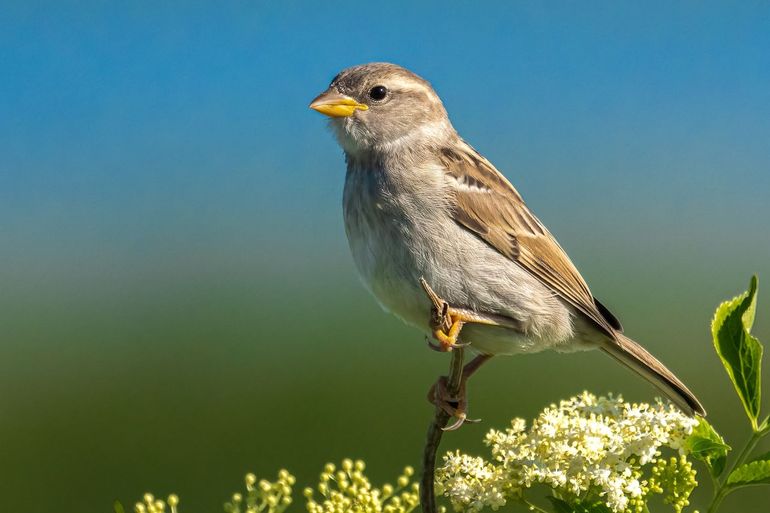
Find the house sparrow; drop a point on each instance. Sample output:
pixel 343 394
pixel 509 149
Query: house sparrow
pixel 419 202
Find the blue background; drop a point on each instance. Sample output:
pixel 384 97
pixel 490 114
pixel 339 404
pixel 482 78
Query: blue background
pixel 177 303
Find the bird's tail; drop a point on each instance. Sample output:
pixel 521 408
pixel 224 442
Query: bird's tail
pixel 636 358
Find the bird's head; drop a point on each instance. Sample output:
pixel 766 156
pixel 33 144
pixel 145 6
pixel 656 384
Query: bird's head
pixel 381 107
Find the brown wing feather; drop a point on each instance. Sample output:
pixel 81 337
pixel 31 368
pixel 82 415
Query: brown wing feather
pixel 489 206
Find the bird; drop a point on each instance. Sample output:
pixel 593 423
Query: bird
pixel 420 205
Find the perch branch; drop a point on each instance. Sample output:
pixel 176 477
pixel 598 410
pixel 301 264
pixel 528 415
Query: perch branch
pixel 440 417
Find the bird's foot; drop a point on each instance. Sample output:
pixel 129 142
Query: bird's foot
pixel 448 338
pixel 445 322
pixel 456 407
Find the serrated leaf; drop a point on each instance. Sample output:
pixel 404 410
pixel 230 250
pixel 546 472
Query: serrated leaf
pixel 752 473
pixel 706 445
pixel 118 507
pixel 741 353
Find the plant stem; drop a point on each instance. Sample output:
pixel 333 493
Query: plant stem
pixel 440 417
pixel 723 490
pixel 531 506
pixel 435 431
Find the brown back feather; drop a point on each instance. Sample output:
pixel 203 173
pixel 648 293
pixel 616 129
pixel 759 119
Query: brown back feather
pixel 506 224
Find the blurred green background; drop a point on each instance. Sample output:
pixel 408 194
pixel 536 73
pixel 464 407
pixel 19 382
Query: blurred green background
pixel 177 303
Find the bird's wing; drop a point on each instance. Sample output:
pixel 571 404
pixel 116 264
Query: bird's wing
pixel 485 203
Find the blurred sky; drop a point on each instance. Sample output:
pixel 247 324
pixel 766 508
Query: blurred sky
pixel 170 215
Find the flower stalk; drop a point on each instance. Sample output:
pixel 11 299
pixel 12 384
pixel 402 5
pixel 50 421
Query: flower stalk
pixel 722 489
pixel 440 417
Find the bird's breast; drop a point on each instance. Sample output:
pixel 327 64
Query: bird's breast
pixel 386 222
pixel 401 230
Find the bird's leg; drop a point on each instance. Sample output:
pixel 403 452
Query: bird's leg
pixel 448 339
pixel 445 322
pixel 456 406
pixel 472 366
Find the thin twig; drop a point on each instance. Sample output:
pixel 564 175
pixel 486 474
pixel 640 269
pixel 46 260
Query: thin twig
pixel 531 506
pixel 440 417
pixel 723 489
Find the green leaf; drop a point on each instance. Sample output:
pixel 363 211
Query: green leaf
pixel 752 473
pixel 561 506
pixel 706 445
pixel 741 353
pixel 596 507
pixel 118 507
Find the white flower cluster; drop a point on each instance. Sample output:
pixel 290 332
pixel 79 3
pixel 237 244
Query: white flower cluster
pixel 585 448
pixel 471 483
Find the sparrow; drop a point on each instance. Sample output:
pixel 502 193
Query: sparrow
pixel 419 203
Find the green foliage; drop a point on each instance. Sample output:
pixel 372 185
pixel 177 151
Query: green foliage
pixel 597 454
pixel 560 506
pixel 739 351
pixel 755 472
pixel 741 355
pixel 708 446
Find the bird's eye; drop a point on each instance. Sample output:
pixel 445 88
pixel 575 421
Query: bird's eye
pixel 378 93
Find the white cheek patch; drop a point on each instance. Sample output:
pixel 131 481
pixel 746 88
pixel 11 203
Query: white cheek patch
pixel 433 132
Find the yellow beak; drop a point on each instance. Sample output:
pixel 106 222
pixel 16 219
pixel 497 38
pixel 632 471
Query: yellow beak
pixel 336 105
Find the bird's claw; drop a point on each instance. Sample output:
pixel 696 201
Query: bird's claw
pixel 445 323
pixel 448 338
pixel 456 407
pixel 460 419
pixel 444 348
